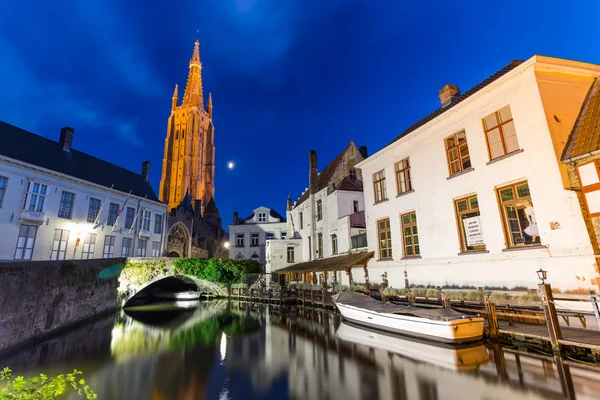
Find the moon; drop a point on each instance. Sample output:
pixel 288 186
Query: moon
pixel 230 165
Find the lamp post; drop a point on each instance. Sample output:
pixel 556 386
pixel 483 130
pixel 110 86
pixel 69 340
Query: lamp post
pixel 384 285
pixel 542 275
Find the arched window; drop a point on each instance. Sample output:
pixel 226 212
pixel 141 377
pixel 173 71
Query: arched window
pixel 255 256
pixel 239 256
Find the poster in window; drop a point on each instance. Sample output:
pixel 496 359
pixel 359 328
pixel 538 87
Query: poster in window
pixel 473 232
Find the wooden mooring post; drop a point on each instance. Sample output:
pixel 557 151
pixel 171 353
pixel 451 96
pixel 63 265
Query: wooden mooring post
pixel 551 318
pixel 594 301
pixel 490 309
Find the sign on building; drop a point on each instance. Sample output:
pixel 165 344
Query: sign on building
pixel 473 231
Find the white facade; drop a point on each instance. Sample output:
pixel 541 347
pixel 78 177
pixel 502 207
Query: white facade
pixel 342 216
pixel 248 237
pixel 33 230
pixel 564 251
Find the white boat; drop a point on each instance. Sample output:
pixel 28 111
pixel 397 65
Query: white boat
pixel 440 324
pixel 455 357
pixel 189 295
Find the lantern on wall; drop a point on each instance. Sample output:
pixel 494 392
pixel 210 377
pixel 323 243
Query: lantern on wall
pixel 542 275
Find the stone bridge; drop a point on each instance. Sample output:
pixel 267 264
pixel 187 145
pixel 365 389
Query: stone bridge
pixel 142 274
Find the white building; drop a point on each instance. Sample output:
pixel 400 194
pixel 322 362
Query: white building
pixel 474 193
pixel 249 236
pixel 59 203
pixel 326 222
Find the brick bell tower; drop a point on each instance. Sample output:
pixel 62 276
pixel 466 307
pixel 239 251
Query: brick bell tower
pixel 188 163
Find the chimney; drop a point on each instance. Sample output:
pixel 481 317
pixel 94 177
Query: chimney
pixel 313 172
pixel 363 151
pixel 236 218
pixel 448 94
pixel 146 170
pixel 66 138
pixel 289 203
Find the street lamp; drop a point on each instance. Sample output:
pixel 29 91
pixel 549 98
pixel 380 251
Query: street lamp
pixel 384 276
pixel 542 275
pixel 226 245
pixel 366 278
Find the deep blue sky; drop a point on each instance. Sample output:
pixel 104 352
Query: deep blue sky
pixel 287 76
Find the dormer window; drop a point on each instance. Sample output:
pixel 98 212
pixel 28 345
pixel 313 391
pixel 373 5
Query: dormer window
pixel 262 217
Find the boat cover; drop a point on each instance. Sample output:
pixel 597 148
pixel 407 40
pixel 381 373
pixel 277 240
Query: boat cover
pixel 368 303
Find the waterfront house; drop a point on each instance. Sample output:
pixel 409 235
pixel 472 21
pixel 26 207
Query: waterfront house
pixel 325 226
pixel 248 236
pixel 59 203
pixel 476 194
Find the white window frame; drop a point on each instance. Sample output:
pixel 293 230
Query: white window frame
pixel 93 212
pixel 239 240
pixel 253 236
pixel 129 217
pixel 109 248
pixel 112 214
pixel 35 196
pixel 60 244
pixel 141 247
pixel 89 246
pixel 155 249
pixel 158 222
pixel 65 209
pixel 146 216
pixel 126 246
pixel 26 243
pixel 262 217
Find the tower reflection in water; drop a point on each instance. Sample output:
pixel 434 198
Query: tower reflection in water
pixel 241 351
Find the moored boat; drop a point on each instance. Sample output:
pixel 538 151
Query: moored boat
pixel 189 295
pixel 441 324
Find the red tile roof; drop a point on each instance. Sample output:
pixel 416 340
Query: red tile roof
pixel 585 136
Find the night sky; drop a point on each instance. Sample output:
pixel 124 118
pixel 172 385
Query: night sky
pixel 287 76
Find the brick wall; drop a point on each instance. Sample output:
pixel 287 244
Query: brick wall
pixel 38 297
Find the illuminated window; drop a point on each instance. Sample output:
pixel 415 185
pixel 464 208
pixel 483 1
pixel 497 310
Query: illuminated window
pixel 89 246
pixel 457 153
pixel 379 186
pixel 500 133
pixel 410 234
pixel 520 224
pixel 403 181
pixel 384 234
pixel 59 246
pixel 469 224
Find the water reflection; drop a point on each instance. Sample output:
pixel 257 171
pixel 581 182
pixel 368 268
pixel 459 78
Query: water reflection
pixel 239 351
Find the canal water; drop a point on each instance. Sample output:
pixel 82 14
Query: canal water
pixel 229 350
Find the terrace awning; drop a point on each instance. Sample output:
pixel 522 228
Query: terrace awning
pixel 337 263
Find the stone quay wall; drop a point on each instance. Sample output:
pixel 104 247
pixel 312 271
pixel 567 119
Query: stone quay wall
pixel 42 297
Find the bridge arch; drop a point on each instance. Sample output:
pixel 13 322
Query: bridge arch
pixel 140 275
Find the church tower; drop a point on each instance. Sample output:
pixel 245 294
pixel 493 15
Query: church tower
pixel 188 163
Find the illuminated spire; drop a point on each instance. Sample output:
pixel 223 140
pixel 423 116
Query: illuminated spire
pixel 209 108
pixel 175 97
pixel 193 88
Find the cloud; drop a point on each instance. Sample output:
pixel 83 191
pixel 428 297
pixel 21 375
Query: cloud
pixel 127 132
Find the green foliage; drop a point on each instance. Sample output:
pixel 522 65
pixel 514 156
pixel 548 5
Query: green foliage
pixel 42 387
pixel 390 291
pixel 142 271
pixel 357 287
pixel 529 298
pixel 226 272
pixel 500 297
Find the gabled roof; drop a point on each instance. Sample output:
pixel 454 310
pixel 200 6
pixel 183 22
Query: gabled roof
pixel 275 214
pixel 585 136
pixel 335 263
pixel 325 177
pixel 353 185
pixel 19 144
pixel 512 65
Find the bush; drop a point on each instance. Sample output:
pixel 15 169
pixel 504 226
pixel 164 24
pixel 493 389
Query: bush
pixel 226 272
pixel 499 297
pixel 529 298
pixel 43 387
